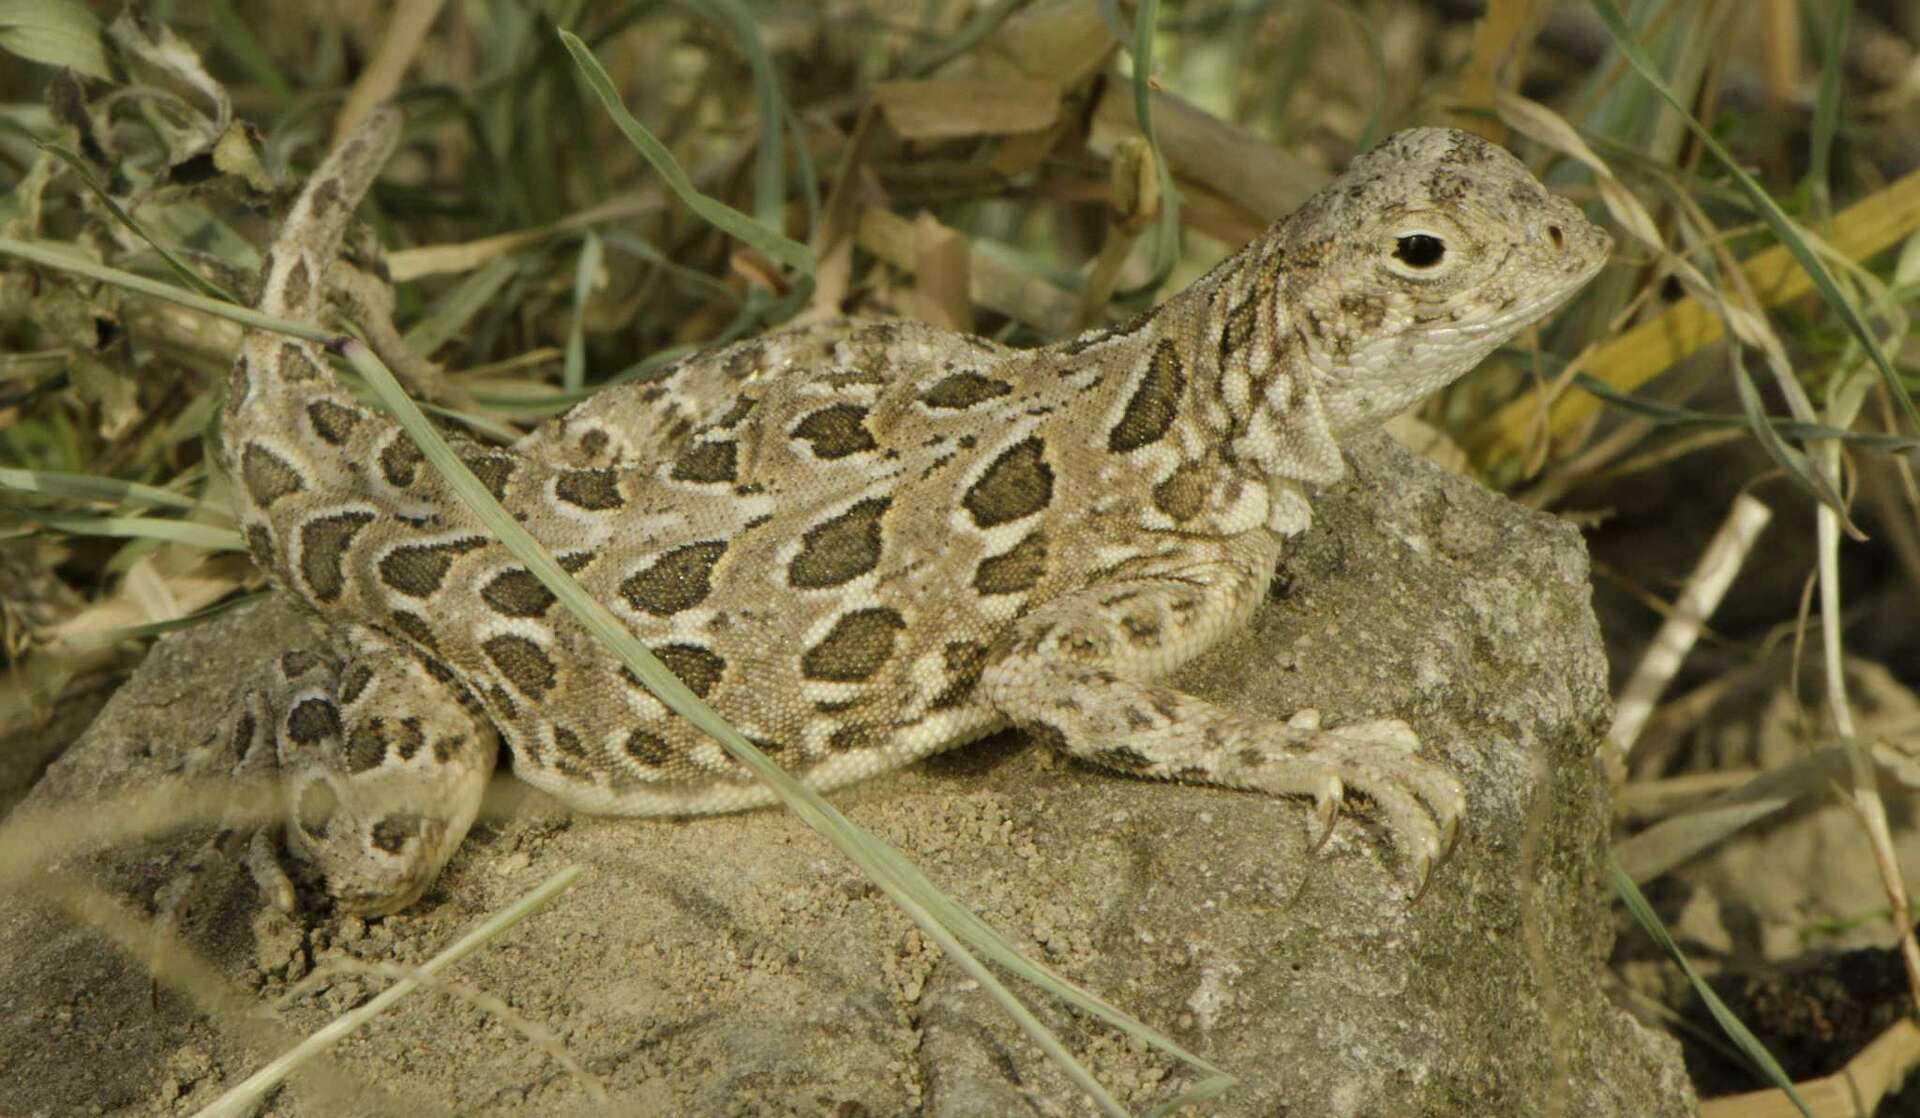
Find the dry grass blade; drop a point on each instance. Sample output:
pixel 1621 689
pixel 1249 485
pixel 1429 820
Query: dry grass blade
pixel 398 46
pixel 769 241
pixel 991 283
pixel 1718 565
pixel 246 1097
pixel 1855 1091
pixel 1733 302
pixel 1652 852
pixel 1795 239
pixel 949 108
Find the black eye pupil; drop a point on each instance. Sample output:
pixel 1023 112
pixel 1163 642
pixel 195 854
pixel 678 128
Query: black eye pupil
pixel 1420 250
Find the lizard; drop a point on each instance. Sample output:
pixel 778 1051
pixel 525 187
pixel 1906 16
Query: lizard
pixel 862 542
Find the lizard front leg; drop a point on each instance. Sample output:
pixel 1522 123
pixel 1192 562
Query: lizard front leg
pixel 1077 672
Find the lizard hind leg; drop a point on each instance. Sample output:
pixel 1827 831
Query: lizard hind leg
pixel 382 772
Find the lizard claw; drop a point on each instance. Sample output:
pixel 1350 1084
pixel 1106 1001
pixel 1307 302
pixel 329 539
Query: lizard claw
pixel 1449 831
pixel 1326 810
pixel 1423 867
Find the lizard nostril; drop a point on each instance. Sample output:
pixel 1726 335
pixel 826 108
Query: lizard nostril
pixel 1558 238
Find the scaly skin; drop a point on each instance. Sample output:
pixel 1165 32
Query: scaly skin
pixel 865 542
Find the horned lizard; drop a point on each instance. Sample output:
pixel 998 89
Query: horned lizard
pixel 861 542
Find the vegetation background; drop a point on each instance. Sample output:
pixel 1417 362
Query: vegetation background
pixel 1728 412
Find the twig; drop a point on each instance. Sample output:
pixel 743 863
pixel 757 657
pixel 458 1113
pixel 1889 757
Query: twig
pixel 1718 565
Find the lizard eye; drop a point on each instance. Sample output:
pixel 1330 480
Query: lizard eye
pixel 1419 250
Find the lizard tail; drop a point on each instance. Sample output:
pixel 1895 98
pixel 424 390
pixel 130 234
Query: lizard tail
pixel 294 441
pixel 294 284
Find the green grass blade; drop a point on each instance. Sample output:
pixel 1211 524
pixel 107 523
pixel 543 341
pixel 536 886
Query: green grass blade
pixel 456 309
pixel 573 374
pixel 236 36
pixel 770 155
pixel 55 255
pixel 731 221
pixel 1791 461
pixel 1782 226
pixel 133 528
pixel 1741 1036
pixel 1672 415
pixel 1166 233
pixel 1826 106
pixel 90 487
pixel 688 279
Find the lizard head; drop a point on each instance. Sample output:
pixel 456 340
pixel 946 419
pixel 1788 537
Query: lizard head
pixel 1407 270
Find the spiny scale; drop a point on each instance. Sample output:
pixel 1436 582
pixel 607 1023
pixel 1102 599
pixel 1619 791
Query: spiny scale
pixel 865 542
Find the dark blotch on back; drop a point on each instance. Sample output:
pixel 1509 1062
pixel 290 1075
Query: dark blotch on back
pixel 417 570
pixel 298 662
pixel 393 832
pixel 494 472
pixel 323 550
pixel 965 660
pixel 514 592
pixel 400 460
pixel 297 363
pixel 842 549
pixel 678 580
pixel 650 749
pixel 707 462
pixel 312 721
pixel 1018 483
pixel 1151 411
pixel 267 476
pixel 1016 570
pixel 742 407
pixel 964 390
pixel 836 431
pixel 523 662
pixel 415 628
pixel 334 423
pixel 1182 495
pixel 1242 322
pixel 298 285
pixel 856 648
pixel 699 668
pixel 353 682
pixel 596 490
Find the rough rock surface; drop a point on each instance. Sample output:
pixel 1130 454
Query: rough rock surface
pixel 736 965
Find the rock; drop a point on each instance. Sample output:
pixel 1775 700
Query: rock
pixel 736 964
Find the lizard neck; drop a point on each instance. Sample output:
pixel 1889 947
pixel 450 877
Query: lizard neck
pixel 1252 386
